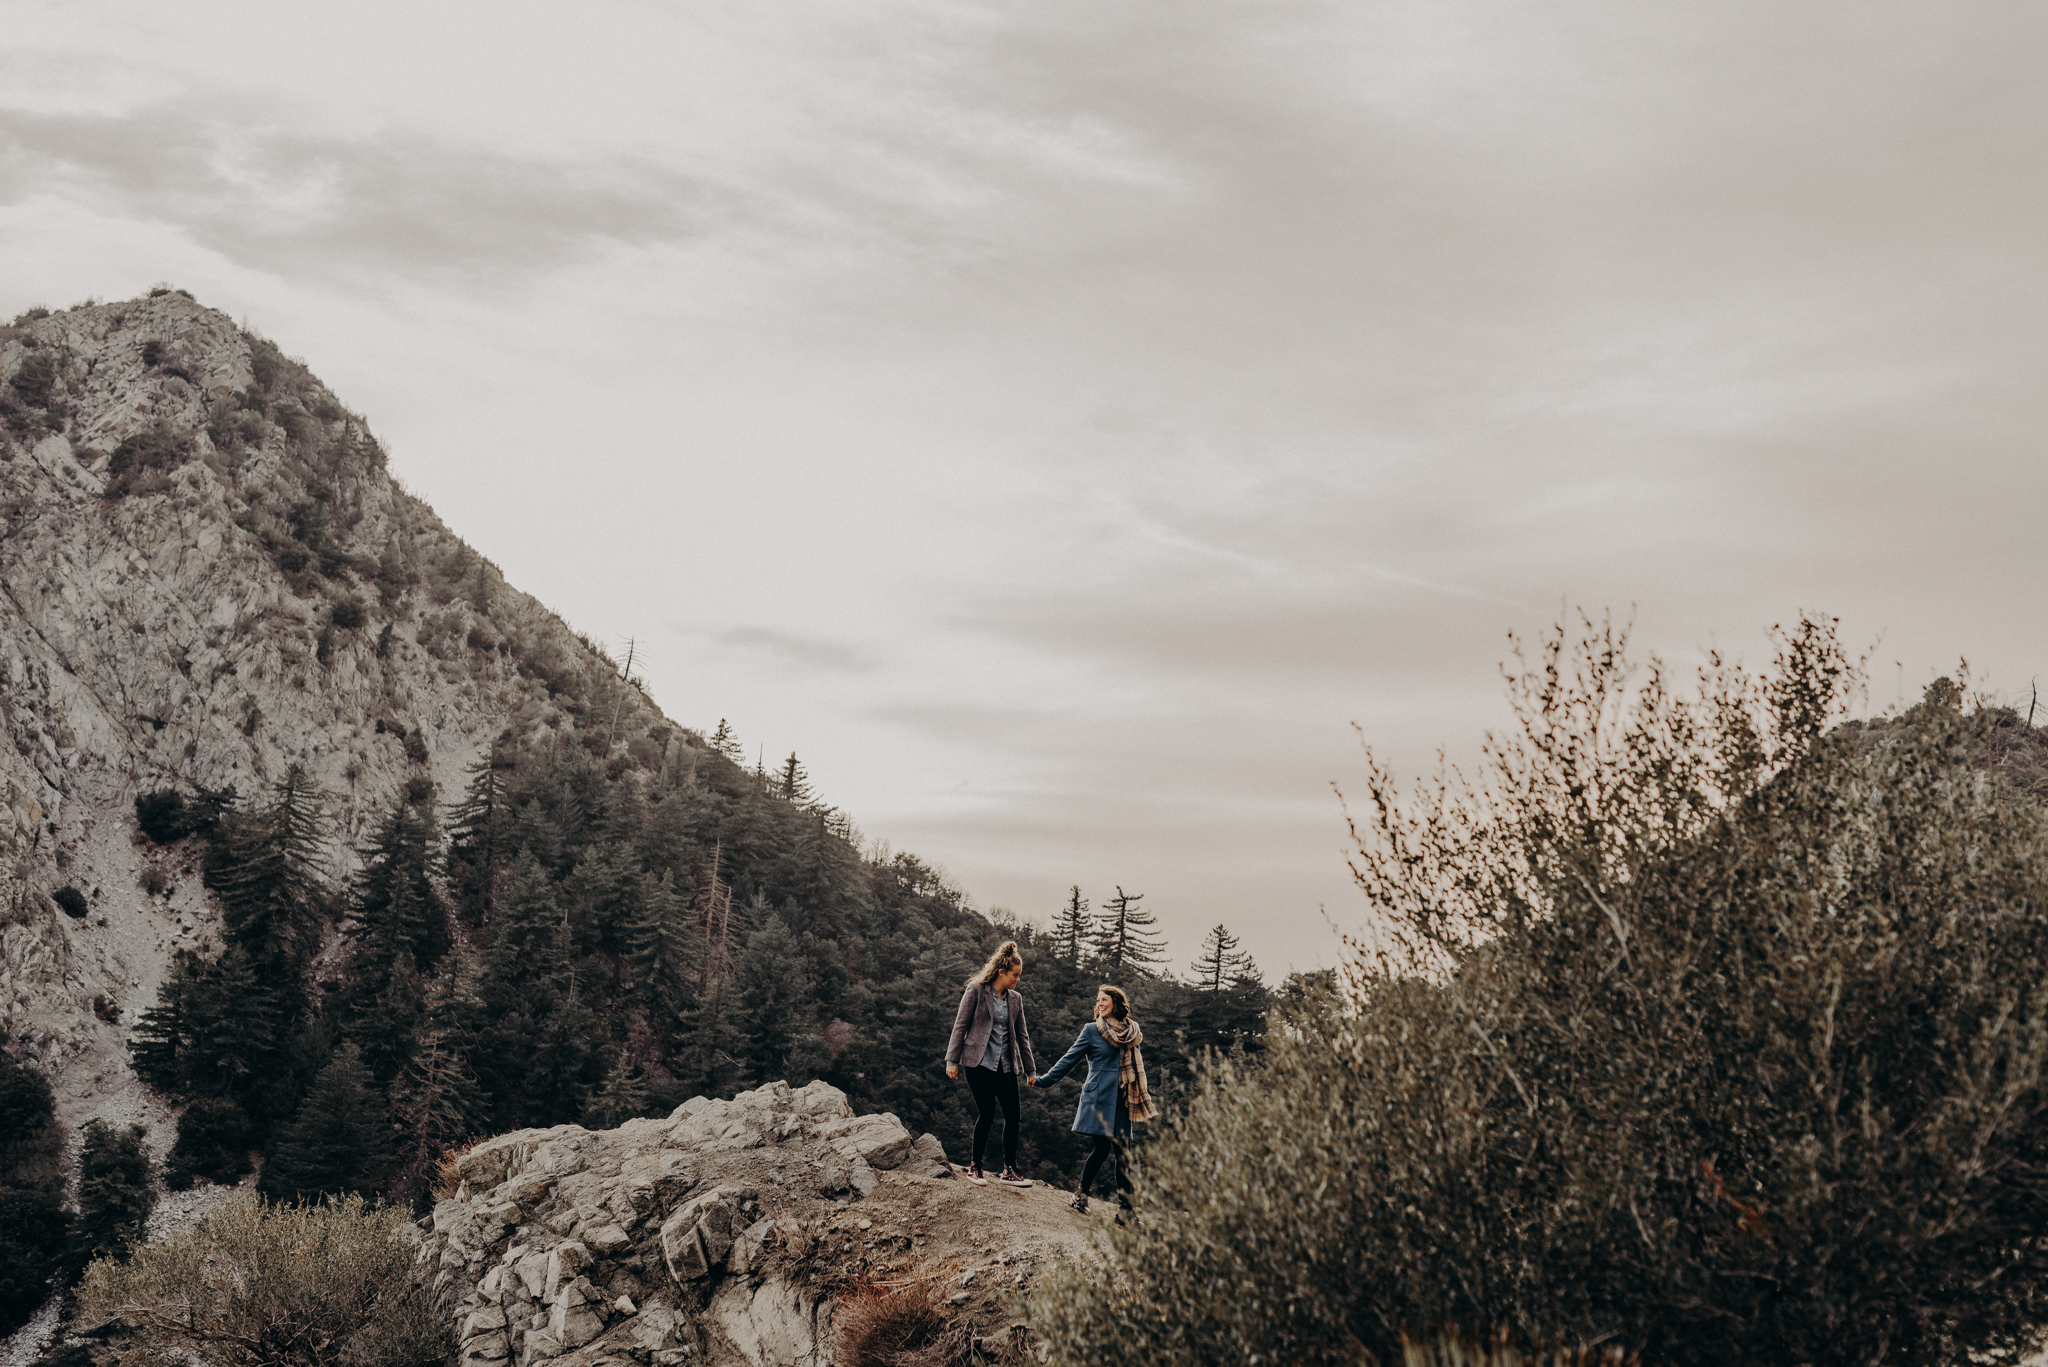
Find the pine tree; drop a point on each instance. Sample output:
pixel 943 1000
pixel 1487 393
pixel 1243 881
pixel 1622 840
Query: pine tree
pixel 476 827
pixel 1070 929
pixel 706 1058
pixel 216 1029
pixel 1125 941
pixel 726 743
pixel 271 877
pixel 773 999
pixel 792 784
pixel 662 946
pixel 1221 964
pixel 114 1197
pixel 396 911
pixel 436 1103
pixel 338 1141
pixel 621 1097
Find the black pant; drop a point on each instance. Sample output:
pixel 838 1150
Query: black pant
pixel 992 1089
pixel 1104 1147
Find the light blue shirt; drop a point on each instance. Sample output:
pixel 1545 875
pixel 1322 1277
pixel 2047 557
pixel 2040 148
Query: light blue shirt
pixel 997 1054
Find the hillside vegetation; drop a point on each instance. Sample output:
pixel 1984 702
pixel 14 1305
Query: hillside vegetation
pixel 1710 1026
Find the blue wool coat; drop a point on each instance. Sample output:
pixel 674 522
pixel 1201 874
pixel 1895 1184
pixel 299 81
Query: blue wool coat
pixel 1101 1110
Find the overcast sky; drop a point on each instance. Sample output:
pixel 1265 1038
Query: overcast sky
pixel 1060 422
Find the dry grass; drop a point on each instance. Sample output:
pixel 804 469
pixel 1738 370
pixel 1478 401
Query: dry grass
pixel 897 1326
pixel 1456 1350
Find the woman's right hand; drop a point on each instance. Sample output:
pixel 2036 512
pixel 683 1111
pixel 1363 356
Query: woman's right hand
pixel 953 1071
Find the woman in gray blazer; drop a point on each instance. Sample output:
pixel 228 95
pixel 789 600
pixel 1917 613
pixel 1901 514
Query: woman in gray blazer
pixel 992 1041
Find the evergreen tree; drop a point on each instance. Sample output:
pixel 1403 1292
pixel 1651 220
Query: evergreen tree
pixel 621 1097
pixel 338 1142
pixel 396 913
pixel 1221 963
pixel 662 946
pixel 114 1197
pixel 214 1141
pixel 270 875
pixel 773 999
pixel 216 1028
pixel 477 828
pixel 436 1104
pixel 725 742
pixel 707 1056
pixel 1070 927
pixel 1125 939
pixel 792 784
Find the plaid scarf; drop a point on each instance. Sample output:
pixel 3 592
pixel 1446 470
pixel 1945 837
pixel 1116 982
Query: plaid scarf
pixel 1126 1036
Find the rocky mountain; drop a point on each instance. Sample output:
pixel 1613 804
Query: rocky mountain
pixel 207 576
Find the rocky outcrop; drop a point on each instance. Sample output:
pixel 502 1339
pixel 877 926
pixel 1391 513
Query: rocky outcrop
pixel 705 1237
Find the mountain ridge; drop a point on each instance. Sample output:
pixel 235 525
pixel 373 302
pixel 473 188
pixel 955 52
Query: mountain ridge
pixel 208 575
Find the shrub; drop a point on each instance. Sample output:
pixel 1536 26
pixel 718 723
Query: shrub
pixel 152 352
pixel 140 462
pixel 155 880
pixel 214 1140
pixel 162 815
pixel 36 377
pixel 72 901
pixel 254 1285
pixel 1705 1027
pixel 415 747
pixel 34 1227
pixel 31 1146
pixel 348 614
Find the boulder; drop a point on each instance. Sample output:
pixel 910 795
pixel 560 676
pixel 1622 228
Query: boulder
pixel 696 1238
pixel 880 1140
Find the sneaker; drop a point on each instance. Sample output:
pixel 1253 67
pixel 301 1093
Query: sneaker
pixel 974 1175
pixel 1079 1203
pixel 1012 1178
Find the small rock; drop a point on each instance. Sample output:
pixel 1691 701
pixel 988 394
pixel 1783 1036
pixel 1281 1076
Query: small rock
pixel 624 1305
pixel 961 1297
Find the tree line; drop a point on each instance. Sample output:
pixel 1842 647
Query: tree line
pixel 587 936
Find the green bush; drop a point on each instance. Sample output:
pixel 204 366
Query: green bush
pixel 161 815
pixel 36 377
pixel 114 1197
pixel 34 1228
pixel 72 901
pixel 214 1142
pixel 348 614
pixel 1705 1026
pixel 138 458
pixel 254 1285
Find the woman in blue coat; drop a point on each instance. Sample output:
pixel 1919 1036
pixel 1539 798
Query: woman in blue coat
pixel 1114 1094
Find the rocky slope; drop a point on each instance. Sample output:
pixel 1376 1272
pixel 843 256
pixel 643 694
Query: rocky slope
pixel 206 575
pixel 726 1234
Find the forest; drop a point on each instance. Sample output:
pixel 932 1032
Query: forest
pixel 589 933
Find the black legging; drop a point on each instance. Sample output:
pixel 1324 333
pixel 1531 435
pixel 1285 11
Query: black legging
pixel 992 1089
pixel 1104 1146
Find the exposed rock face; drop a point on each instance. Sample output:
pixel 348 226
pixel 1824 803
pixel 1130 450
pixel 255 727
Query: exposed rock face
pixel 700 1238
pixel 159 638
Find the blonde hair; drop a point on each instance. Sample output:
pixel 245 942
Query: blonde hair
pixel 1005 958
pixel 1119 1004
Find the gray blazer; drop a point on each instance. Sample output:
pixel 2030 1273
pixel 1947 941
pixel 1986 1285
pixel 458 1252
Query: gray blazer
pixel 977 1017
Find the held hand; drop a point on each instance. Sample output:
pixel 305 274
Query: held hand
pixel 1031 1082
pixel 953 1071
